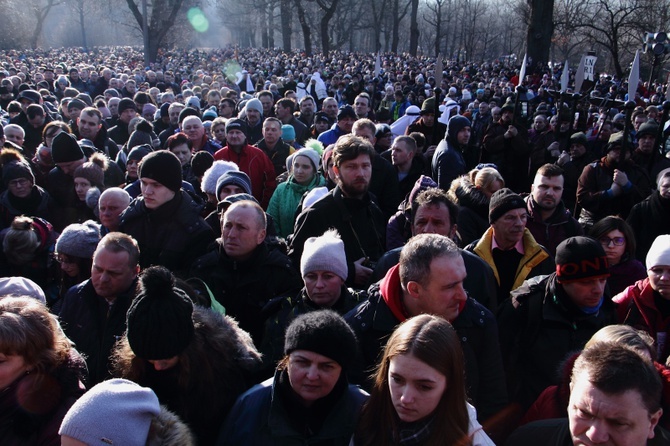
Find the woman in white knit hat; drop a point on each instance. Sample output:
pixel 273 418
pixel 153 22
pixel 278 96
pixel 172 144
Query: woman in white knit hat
pixel 646 304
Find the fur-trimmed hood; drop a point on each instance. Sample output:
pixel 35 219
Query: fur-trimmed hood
pixel 465 194
pixel 224 332
pixel 168 430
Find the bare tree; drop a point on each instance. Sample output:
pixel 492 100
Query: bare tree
pixel 435 16
pixel 40 10
pixel 616 26
pixel 304 26
pixel 160 19
pixel 414 28
pixel 399 9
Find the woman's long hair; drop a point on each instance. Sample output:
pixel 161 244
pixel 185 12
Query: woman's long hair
pixel 433 341
pixel 209 377
pixel 27 329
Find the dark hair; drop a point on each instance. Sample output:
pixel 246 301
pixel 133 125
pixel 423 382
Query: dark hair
pixel 433 341
pixel 178 139
pixel 92 111
pixel 49 128
pixel 612 223
pixel 287 103
pixel 434 196
pixel 420 139
pixel 615 369
pixel 350 147
pixel 549 170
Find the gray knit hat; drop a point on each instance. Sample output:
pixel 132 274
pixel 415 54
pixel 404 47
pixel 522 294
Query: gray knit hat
pixel 235 177
pixel 117 411
pixel 324 253
pixel 312 154
pixel 255 104
pixel 79 240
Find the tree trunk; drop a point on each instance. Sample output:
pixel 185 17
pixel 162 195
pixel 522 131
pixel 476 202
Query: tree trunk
pixel 414 29
pixel 306 30
pixel 286 24
pixel 396 25
pixel 325 21
pixel 81 23
pixel 438 30
pixel 540 31
pixel 271 26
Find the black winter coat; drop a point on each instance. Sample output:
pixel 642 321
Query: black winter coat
pixel 244 288
pixel 539 327
pixel 94 326
pixel 360 223
pixel 174 235
pixel 373 322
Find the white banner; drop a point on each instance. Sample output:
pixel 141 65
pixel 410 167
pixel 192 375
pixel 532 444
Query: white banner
pixel 589 67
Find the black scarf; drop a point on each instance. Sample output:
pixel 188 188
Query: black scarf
pixel 27 205
pixel 308 420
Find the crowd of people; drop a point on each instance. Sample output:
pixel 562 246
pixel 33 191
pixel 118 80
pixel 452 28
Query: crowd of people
pixel 244 246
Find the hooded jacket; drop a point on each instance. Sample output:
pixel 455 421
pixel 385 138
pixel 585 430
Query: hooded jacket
pixel 473 209
pixel 201 397
pixel 448 162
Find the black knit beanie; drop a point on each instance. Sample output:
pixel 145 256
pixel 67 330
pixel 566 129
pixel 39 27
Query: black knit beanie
pixel 15 170
pixel 162 166
pixel 65 149
pixel 580 258
pixel 160 319
pixel 502 201
pixel 324 332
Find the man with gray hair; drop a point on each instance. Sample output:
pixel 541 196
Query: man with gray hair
pixel 429 280
pixel 112 203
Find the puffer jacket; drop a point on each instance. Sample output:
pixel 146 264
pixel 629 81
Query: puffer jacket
pixel 535 262
pixel 285 201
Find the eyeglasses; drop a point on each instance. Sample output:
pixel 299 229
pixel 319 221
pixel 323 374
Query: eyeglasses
pixel 618 241
pixel 63 259
pixel 19 182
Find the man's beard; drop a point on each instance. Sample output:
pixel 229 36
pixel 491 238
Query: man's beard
pixel 353 190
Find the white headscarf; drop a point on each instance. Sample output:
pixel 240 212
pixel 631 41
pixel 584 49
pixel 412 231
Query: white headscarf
pixel 399 127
